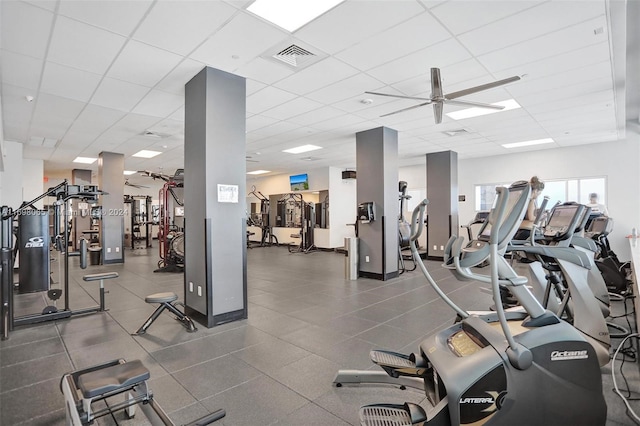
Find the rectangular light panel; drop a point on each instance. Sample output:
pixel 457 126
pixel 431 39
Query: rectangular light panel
pixel 259 172
pixel 301 149
pixel 85 160
pixel 528 143
pixel 291 14
pixel 477 111
pixel 146 154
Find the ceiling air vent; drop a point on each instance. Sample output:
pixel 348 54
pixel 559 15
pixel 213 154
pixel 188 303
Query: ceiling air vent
pixel 294 55
pixel 456 132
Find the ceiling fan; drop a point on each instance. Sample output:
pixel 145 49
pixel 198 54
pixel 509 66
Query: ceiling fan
pixel 133 185
pixel 438 99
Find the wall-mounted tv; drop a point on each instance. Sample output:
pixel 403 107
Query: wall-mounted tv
pixel 299 182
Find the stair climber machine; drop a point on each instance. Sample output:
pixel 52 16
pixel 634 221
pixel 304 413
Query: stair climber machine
pixel 616 274
pixel 404 229
pixel 499 368
pixel 565 279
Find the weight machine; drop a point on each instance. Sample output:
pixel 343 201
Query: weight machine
pixel 139 217
pixel 262 219
pixel 294 212
pixel 33 245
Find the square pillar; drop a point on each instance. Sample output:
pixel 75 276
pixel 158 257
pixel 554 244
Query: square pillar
pixel 442 192
pixel 214 196
pixel 111 181
pixel 377 167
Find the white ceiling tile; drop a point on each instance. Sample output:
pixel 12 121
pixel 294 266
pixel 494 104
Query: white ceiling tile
pixel 320 74
pixel 316 116
pixel 291 108
pixel 118 94
pixel 347 88
pixel 159 104
pixel 345 121
pixel 98 47
pixel 20 70
pixel 54 115
pixel 264 71
pixel 17 36
pixel 121 17
pixel 36 152
pixel 462 16
pixel 16 113
pixel 267 98
pixel 416 34
pixel 142 64
pixel 254 86
pixel 69 82
pixel 180 26
pixel 178 115
pixel 256 122
pixel 251 37
pixel 354 21
pixel 174 82
pixel 534 22
pixel 96 119
pixel 552 44
pixel 419 63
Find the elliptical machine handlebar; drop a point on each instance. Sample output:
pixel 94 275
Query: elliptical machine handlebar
pixel 417 220
pixel 538 221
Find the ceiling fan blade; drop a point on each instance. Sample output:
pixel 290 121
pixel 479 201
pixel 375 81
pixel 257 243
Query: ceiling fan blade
pixel 482 87
pixel 473 104
pixel 398 96
pixel 436 83
pixel 406 109
pixel 437 112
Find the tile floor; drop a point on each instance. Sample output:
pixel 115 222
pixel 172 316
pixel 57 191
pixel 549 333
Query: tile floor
pixel 277 367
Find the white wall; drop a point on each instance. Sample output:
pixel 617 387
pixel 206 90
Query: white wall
pixel 617 161
pixel 342 207
pixel 11 177
pixel 32 180
pixel 416 178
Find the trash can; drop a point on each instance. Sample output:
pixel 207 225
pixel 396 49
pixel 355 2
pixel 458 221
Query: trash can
pixel 95 254
pixel 351 263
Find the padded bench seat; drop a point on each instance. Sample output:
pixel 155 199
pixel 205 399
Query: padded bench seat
pixel 120 376
pixel 167 297
pixel 100 276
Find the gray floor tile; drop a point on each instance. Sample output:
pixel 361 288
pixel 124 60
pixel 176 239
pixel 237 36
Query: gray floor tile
pixel 30 351
pixel 54 418
pixel 311 376
pixel 311 415
pixel 353 353
pixel 85 339
pixel 30 402
pixel 261 401
pixel 271 354
pixel 25 373
pixel 211 377
pixel 376 313
pixel 279 325
pixel 28 334
pixel 350 325
pixel 314 338
pixel 191 413
pixel 170 394
pixel 387 337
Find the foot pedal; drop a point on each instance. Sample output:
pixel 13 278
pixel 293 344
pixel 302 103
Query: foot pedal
pixel 392 415
pixel 397 364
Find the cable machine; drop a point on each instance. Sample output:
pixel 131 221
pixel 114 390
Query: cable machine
pixel 33 243
pixel 262 219
pixel 294 212
pixel 140 218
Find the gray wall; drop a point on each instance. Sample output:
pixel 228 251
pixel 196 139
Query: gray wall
pixel 111 181
pixel 215 239
pixel 377 181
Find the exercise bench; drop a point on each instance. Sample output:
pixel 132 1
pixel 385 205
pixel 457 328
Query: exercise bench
pixel 81 388
pixel 101 277
pixel 165 301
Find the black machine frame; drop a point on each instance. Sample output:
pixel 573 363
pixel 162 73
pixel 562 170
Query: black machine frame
pixel 135 216
pixel 267 238
pixel 63 193
pixel 307 221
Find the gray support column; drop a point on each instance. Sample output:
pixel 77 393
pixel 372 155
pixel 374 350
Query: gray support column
pixel 442 192
pixel 214 195
pixel 377 166
pixel 82 217
pixel 111 181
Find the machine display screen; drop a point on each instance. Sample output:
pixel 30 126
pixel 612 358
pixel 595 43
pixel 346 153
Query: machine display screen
pixel 562 217
pixel 178 211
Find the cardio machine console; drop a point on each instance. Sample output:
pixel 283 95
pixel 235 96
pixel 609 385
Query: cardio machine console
pixel 562 221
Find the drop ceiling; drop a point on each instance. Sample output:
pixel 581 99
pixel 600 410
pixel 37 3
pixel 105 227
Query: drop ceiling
pixel 104 73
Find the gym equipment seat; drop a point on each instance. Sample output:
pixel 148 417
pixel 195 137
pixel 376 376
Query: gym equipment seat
pixel 165 301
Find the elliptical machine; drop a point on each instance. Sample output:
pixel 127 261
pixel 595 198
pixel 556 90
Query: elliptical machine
pixel 500 368
pixel 404 229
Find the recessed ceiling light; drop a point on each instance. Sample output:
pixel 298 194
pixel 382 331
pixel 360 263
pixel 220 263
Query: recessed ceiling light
pixel 85 160
pixel 129 172
pixel 477 111
pixel 259 172
pixel 146 154
pixel 291 14
pixel 367 101
pixel 528 143
pixel 301 149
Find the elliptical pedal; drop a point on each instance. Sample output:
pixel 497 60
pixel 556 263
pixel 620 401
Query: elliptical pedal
pixel 397 364
pixel 392 415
